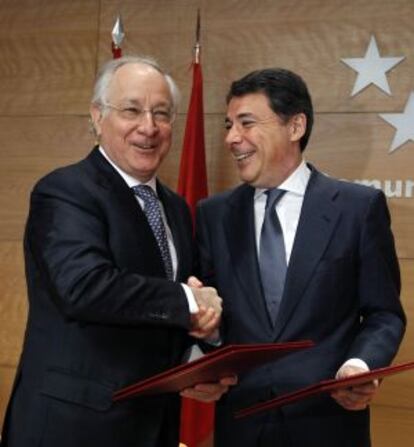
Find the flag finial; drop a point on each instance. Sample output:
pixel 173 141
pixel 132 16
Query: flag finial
pixel 117 37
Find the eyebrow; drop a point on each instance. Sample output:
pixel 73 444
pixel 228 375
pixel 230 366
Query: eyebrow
pixel 240 116
pixel 136 102
pixel 245 115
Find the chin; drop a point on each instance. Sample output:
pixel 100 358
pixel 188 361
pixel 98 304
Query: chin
pixel 246 177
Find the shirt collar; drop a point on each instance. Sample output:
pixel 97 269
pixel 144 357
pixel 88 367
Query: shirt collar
pixel 129 180
pixel 296 183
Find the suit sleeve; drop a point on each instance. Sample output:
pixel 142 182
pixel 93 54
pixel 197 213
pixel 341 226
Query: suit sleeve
pixel 382 317
pixel 67 238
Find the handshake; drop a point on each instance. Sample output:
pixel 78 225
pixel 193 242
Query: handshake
pixel 205 323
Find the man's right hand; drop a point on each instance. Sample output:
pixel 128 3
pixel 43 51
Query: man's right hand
pixel 207 298
pixel 206 321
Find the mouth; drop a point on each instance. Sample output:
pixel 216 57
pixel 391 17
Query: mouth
pixel 144 146
pixel 239 157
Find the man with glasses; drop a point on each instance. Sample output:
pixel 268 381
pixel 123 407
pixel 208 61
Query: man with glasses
pixel 297 255
pixel 107 246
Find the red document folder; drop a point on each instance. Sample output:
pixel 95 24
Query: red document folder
pixel 223 362
pixel 323 387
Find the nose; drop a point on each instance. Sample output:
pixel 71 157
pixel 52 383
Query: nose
pixel 147 124
pixel 233 136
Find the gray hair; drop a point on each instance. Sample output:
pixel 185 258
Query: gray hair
pixel 107 71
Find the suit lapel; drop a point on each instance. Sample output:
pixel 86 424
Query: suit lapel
pixel 240 231
pixel 120 194
pixel 317 222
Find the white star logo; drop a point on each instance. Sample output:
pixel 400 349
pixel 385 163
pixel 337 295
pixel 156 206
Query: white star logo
pixel 372 68
pixel 403 122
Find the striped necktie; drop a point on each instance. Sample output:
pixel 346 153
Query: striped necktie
pixel 152 211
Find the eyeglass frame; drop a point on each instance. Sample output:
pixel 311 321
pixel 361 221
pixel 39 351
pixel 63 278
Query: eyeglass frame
pixel 140 113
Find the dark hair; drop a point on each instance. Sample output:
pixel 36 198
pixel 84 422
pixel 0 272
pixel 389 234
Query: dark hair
pixel 286 92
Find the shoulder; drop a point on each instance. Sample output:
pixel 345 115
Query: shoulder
pixel 344 191
pixel 64 177
pixel 78 184
pixel 72 174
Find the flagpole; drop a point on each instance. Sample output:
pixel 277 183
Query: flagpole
pixel 197 418
pixel 192 180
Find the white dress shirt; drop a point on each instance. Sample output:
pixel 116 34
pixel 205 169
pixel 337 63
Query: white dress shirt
pixel 288 208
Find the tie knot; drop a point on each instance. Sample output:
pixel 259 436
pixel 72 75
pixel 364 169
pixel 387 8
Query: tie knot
pixel 145 192
pixel 273 196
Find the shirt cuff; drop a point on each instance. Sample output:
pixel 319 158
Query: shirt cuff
pixel 216 341
pixel 356 362
pixel 192 303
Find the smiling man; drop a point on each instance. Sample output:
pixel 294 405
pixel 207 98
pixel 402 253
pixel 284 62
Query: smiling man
pixel 133 119
pixel 297 255
pixel 106 247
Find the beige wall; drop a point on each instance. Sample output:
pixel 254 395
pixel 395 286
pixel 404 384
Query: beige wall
pixel 50 50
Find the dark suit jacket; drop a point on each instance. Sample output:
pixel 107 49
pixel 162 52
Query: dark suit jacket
pixel 342 291
pixel 101 314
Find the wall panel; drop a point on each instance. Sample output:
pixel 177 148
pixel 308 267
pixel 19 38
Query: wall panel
pixel 13 303
pixel 31 147
pixel 311 39
pixel 6 382
pixel 308 36
pixel 392 427
pixel 48 52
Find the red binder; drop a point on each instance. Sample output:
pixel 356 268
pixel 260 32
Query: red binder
pixel 223 362
pixel 323 387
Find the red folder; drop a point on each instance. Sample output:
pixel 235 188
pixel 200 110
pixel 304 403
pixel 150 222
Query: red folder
pixel 323 387
pixel 223 362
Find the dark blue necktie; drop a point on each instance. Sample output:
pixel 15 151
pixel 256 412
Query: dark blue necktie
pixel 272 258
pixel 152 210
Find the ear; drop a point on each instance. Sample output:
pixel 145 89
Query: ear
pixel 297 127
pixel 96 119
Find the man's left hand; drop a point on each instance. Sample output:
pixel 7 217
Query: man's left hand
pixel 209 392
pixel 356 397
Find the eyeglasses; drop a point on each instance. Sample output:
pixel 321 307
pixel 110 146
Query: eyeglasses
pixel 161 115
